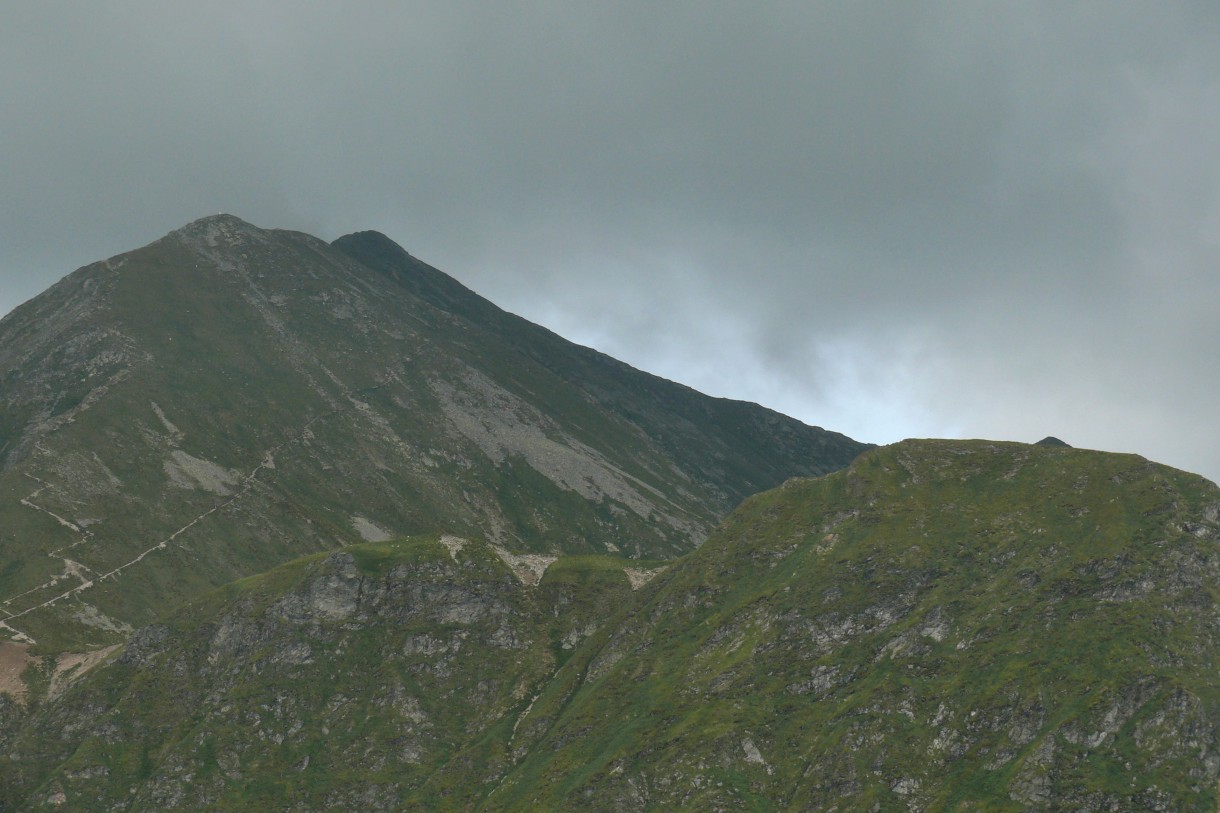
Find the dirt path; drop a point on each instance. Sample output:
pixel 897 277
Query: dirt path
pixel 74 569
pixel 244 486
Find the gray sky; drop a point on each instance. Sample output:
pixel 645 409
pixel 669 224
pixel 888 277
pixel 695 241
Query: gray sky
pixel 971 219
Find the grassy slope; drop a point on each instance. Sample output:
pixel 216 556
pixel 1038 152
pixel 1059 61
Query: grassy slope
pixel 262 346
pixel 388 671
pixel 946 625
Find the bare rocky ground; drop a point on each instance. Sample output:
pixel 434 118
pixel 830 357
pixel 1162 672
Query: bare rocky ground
pixel 14 659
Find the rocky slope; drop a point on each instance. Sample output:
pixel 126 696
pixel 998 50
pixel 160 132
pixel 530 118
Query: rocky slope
pixel 945 625
pixel 383 675
pixel 229 398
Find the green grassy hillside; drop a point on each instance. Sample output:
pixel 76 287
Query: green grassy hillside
pixel 351 680
pixel 944 626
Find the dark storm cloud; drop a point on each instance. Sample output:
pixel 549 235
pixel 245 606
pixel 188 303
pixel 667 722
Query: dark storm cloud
pixel 893 218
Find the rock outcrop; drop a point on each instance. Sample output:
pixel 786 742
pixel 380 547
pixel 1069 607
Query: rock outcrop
pixel 945 625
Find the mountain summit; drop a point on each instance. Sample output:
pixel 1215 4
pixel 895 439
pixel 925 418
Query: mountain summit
pixel 228 398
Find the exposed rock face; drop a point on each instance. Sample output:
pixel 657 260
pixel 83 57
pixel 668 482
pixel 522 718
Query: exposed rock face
pixel 391 662
pixel 946 625
pixel 228 398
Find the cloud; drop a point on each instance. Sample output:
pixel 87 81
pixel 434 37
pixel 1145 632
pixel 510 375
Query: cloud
pixel 887 218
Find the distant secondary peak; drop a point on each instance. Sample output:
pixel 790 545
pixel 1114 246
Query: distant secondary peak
pixel 1051 440
pixel 381 254
pixel 370 243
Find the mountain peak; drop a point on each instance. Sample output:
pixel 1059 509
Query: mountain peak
pixel 218 221
pixel 226 360
pixel 370 242
pixel 378 252
pixel 217 230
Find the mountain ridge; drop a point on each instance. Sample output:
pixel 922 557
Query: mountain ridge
pixel 228 397
pixel 289 524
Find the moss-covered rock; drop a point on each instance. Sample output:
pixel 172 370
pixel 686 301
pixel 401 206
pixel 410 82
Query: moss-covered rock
pixel 946 625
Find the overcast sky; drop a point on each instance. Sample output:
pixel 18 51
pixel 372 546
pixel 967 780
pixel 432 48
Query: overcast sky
pixel 891 219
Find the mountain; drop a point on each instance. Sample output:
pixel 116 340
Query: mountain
pixel 944 625
pixel 289 525
pixel 228 398
pixel 333 682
